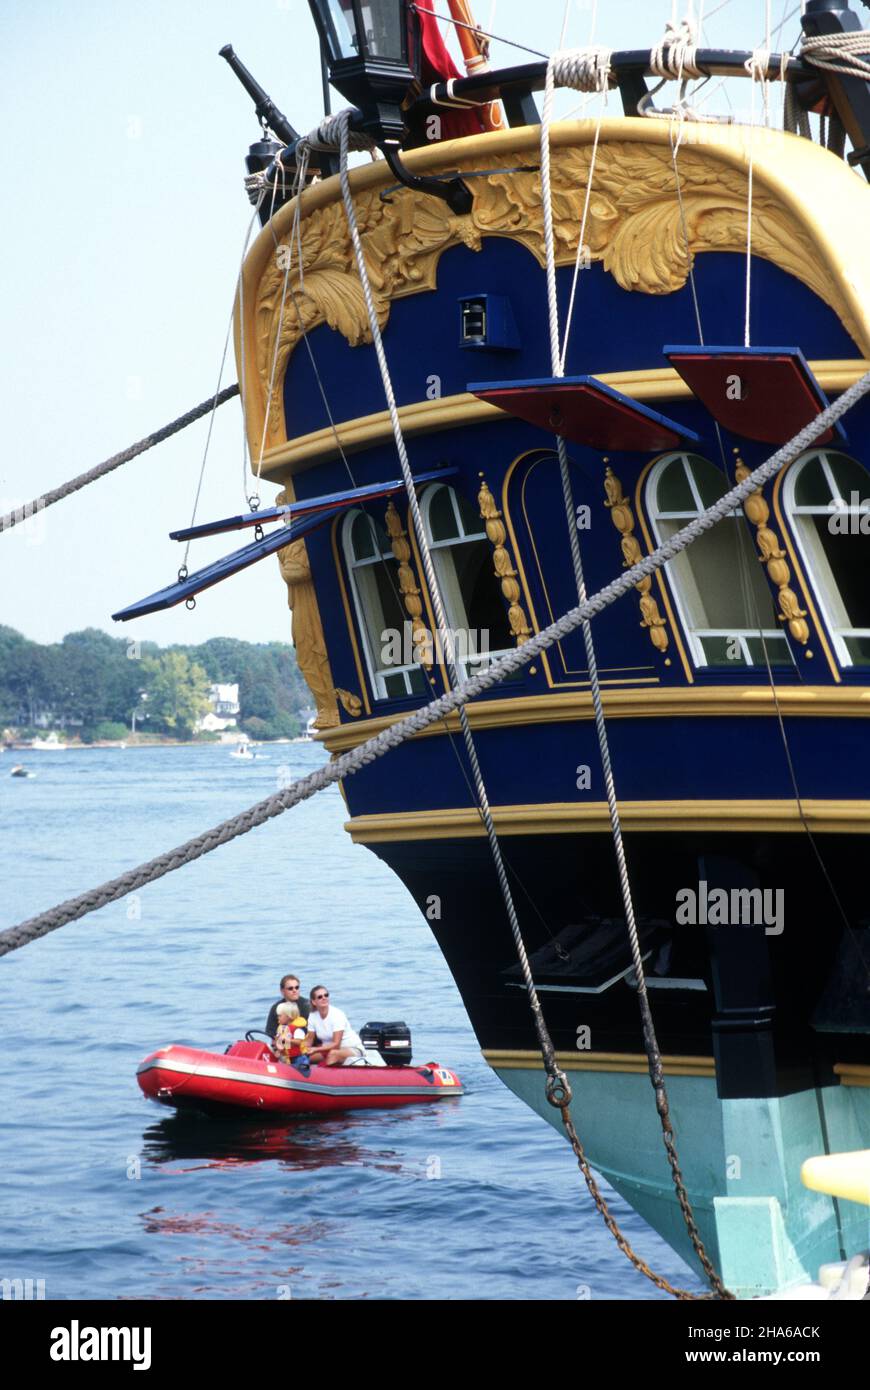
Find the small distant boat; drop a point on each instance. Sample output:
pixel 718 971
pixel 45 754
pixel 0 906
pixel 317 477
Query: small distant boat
pixel 246 753
pixel 52 744
pixel 19 771
pixel 248 1078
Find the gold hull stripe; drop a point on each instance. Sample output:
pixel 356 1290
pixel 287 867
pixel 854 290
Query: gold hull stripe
pixel 451 412
pixel 819 701
pixel 634 1063
pixel 570 818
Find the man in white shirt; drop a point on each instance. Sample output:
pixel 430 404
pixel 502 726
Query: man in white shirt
pixel 331 1040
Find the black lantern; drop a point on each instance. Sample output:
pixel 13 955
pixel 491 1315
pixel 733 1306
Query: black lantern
pixel 372 49
pixel 373 52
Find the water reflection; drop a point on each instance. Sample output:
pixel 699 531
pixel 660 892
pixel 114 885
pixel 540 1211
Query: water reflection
pixel 299 1146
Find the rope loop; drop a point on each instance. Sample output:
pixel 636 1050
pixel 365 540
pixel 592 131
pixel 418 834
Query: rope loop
pixel 675 54
pixel 584 69
pixel 327 136
pixel 757 65
pixel 846 54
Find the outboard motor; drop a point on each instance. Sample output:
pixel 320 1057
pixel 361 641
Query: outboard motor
pixel 391 1040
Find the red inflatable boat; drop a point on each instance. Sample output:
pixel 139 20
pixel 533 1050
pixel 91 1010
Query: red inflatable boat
pixel 247 1077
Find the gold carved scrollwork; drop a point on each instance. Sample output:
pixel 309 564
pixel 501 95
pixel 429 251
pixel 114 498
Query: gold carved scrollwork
pixel 408 586
pixel 307 629
pixel 772 556
pixel 635 227
pixel 350 703
pixel 623 519
pixel 502 563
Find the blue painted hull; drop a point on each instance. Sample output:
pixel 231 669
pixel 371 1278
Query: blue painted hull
pixel 751 776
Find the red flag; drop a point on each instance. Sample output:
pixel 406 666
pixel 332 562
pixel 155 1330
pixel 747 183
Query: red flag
pixel 438 66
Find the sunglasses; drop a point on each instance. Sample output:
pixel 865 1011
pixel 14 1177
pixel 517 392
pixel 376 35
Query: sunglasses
pixel 292 986
pixel 321 996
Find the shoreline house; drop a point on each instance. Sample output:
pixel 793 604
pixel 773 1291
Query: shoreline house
pixel 223 714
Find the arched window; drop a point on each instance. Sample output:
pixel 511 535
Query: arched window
pixel 826 496
pixel 380 610
pixel 463 559
pixel 718 583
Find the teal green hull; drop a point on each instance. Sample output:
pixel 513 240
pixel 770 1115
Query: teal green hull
pixel 741 1160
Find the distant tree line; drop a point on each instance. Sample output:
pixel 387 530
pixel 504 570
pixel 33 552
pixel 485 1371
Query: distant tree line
pixel 98 686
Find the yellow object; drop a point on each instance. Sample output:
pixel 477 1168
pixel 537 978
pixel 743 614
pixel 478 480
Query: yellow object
pixel 840 1175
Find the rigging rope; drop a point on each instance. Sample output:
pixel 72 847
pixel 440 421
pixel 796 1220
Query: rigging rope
pixel 756 66
pixel 674 55
pixel 57 494
pixel 398 597
pixel 557 1089
pixel 555 1078
pixel 368 752
pixel 585 69
pixel 475 29
pixel 651 1046
pixel 218 387
pixel 844 54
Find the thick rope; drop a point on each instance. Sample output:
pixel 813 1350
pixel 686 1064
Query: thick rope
pixel 795 120
pixel 584 69
pixel 674 55
pixel 848 55
pixel 348 763
pixel 444 627
pixel 101 469
pixel 325 138
pixel 653 1052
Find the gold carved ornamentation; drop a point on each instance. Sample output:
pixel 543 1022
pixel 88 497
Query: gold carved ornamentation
pixel 623 519
pixel 350 703
pixel 307 629
pixel 502 564
pixel 773 557
pixel 634 227
pixel 408 586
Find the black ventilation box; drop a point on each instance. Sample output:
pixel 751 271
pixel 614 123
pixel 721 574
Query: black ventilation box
pixel 391 1040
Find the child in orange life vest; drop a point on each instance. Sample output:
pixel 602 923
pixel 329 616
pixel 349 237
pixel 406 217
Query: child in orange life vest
pixel 290 1037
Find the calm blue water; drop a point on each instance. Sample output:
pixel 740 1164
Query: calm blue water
pixel 109 1196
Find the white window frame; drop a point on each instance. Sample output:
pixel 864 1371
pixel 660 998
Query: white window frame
pixel 816 564
pixel 377 674
pixel 693 632
pixel 448 582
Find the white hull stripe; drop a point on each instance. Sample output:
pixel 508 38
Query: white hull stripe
pixel 303 1087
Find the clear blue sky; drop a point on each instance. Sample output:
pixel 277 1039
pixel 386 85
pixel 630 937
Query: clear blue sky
pixel 121 167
